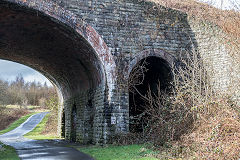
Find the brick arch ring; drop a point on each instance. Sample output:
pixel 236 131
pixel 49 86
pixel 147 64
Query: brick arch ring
pixel 169 58
pixel 69 19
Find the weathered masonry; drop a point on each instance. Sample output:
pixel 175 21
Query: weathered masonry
pixel 89 48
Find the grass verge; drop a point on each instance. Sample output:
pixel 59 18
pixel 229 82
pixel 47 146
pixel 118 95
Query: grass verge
pixel 8 153
pixel 9 115
pixel 16 123
pixel 37 132
pixel 129 152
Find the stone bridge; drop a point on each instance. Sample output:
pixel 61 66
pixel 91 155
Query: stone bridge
pixel 88 48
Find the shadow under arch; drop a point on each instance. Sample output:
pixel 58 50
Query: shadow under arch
pixel 158 72
pixel 53 41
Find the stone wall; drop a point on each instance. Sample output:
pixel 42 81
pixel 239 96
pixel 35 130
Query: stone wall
pixel 131 27
pixel 100 129
pixel 110 37
pixel 219 59
pixel 85 113
pixel 128 28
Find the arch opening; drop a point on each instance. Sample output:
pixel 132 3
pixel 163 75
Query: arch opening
pixel 49 46
pixel 70 54
pixel 157 73
pixel 26 90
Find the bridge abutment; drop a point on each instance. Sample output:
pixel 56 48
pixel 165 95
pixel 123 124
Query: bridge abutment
pixel 88 49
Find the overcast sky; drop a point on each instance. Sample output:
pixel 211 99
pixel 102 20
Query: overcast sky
pixel 222 4
pixel 9 70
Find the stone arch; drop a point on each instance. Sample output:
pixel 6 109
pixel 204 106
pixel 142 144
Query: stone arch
pixel 66 19
pixel 69 52
pixel 169 58
pixel 158 64
pixel 74 123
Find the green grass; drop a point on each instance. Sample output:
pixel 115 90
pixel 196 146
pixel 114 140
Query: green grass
pixel 18 106
pixel 31 108
pixel 8 153
pixel 36 133
pixel 130 152
pixel 13 106
pixel 16 123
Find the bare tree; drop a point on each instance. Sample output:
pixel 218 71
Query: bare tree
pixel 235 4
pixel 137 76
pixel 3 93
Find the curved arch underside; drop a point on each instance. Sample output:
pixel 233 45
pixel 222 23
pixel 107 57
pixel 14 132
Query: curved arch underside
pixel 49 46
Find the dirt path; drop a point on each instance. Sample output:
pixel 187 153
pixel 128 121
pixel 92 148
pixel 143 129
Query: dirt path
pixel 39 150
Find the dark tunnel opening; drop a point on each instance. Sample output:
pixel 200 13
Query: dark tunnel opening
pixel 157 72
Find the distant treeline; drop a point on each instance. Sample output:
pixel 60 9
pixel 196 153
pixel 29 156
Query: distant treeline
pixel 23 93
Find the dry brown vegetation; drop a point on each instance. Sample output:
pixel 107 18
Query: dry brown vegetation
pixel 227 20
pixel 194 122
pixel 24 95
pixel 8 116
pixel 51 125
pixel 216 134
